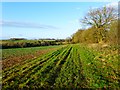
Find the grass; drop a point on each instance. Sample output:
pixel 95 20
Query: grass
pixel 72 67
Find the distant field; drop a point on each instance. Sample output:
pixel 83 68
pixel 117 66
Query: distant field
pixel 23 40
pixel 71 66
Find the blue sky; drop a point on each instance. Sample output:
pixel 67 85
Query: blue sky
pixel 33 20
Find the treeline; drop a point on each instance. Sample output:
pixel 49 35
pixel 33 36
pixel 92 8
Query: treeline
pixel 103 27
pixel 94 35
pixel 28 43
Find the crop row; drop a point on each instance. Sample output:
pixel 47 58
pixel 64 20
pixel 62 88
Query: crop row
pixel 20 76
pixel 73 66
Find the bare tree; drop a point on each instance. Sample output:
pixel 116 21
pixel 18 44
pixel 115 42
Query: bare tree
pixel 100 17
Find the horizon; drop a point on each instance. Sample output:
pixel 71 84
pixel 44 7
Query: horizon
pixel 34 20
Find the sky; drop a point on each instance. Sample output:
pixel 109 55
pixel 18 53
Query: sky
pixel 35 20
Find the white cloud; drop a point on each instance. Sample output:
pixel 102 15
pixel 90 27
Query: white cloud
pixel 112 4
pixel 23 24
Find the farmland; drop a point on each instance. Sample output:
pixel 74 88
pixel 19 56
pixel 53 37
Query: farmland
pixel 72 66
pixel 14 56
pixel 60 45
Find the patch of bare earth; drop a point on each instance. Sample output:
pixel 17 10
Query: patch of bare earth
pixel 18 60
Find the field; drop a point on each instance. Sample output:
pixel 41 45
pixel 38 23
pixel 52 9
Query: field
pixel 14 56
pixel 72 66
pixel 7 53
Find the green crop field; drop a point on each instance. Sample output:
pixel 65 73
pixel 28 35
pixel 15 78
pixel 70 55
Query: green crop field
pixel 72 66
pixel 60 46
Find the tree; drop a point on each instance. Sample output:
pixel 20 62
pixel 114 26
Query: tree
pixel 113 33
pixel 77 37
pixel 100 19
pixel 68 40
